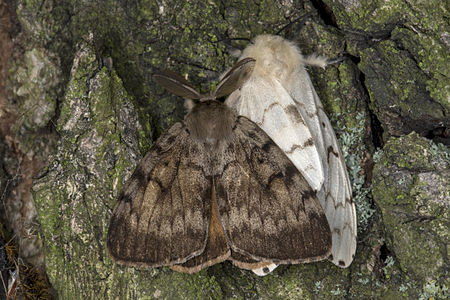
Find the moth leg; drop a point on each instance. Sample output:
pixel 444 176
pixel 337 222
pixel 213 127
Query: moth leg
pixel 336 60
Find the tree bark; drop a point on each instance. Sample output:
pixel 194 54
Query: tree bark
pixel 78 109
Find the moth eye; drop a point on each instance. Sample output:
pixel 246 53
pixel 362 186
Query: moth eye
pixel 323 124
pixel 341 263
pixel 266 270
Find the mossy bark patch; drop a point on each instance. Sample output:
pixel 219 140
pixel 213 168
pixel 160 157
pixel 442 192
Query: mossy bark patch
pixel 411 187
pixel 98 147
pixel 404 55
pixel 398 91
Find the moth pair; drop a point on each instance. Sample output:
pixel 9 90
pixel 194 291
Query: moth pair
pixel 248 180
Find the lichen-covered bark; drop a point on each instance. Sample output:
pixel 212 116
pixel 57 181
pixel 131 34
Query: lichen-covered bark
pixel 404 53
pixel 97 147
pixel 412 188
pixel 85 109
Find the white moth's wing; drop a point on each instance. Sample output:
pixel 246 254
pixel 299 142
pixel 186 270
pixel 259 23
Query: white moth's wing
pixel 264 101
pixel 335 195
pixel 281 61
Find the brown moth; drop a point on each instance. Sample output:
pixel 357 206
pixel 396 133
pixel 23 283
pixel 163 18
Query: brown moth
pixel 215 187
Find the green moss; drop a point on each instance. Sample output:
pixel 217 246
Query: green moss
pixel 75 197
pixel 375 278
pixel 376 16
pixel 187 286
pixel 415 156
pixel 410 185
pixel 76 91
pixel 406 66
pixel 397 89
pixel 433 59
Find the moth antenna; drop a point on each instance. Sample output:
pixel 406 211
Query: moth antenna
pixel 176 84
pixel 300 20
pixel 235 78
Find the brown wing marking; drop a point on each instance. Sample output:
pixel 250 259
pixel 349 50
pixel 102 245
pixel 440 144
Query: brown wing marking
pixel 161 217
pixel 217 249
pixel 268 210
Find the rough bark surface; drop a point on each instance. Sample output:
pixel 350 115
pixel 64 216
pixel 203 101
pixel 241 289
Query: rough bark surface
pixel 78 109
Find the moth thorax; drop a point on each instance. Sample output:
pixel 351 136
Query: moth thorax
pixel 211 122
pixel 275 57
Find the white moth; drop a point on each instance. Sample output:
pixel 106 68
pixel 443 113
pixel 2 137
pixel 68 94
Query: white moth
pixel 280 98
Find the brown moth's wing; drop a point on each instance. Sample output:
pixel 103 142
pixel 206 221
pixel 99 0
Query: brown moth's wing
pixel 176 84
pixel 268 210
pixel 217 249
pixel 245 262
pixel 161 217
pixel 235 78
